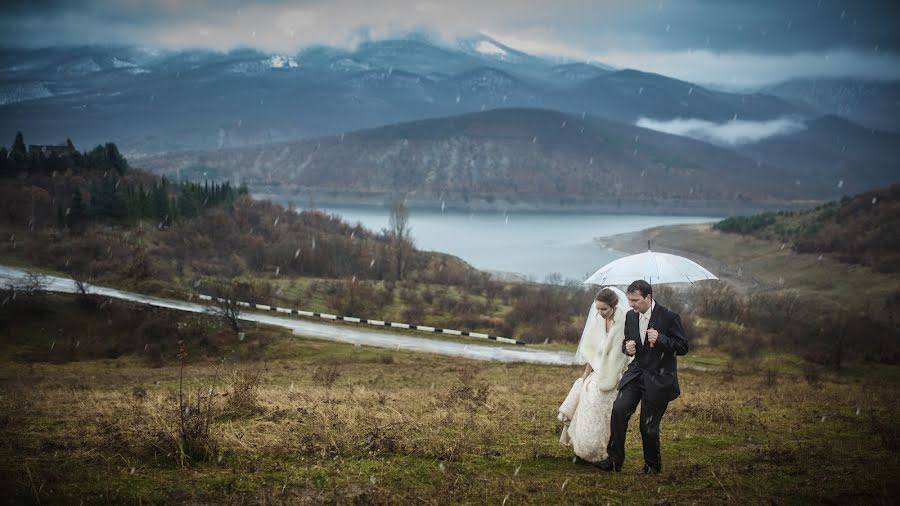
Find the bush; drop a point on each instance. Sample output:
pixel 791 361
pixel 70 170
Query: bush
pixel 745 224
pixel 715 300
pixel 243 400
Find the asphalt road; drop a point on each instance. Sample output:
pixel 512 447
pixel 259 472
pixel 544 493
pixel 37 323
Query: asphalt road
pixel 327 331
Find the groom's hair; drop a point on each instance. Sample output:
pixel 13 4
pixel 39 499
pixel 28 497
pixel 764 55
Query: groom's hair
pixel 639 285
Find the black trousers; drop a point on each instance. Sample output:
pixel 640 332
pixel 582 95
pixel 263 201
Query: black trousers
pixel 651 414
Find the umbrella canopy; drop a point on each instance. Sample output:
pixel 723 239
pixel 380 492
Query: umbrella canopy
pixel 653 267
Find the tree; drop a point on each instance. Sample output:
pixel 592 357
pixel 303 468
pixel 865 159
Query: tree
pixel 107 203
pixel 76 211
pixel 228 298
pixel 6 165
pixel 19 145
pixel 400 230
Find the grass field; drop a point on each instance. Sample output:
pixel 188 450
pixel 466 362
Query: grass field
pixel 343 424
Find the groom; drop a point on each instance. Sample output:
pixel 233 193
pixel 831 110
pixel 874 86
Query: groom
pixel 653 336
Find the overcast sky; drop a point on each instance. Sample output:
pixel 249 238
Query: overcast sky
pixel 728 42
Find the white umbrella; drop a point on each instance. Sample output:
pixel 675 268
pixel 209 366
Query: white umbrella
pixel 653 267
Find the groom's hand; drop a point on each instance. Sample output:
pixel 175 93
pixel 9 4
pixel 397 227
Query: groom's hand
pixel 652 336
pixel 630 347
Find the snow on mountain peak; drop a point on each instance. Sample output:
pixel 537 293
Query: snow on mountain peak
pixel 120 64
pixel 489 48
pixel 280 62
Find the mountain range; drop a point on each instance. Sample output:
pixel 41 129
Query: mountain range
pixel 473 119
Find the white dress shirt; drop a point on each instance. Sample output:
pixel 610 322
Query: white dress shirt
pixel 644 321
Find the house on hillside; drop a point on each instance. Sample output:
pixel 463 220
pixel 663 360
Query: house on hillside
pixel 47 149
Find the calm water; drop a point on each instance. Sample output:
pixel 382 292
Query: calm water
pixel 532 244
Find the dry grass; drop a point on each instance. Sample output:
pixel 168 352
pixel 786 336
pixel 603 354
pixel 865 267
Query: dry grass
pixel 419 428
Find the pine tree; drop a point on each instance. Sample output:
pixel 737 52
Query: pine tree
pixel 6 164
pixel 19 145
pixel 76 209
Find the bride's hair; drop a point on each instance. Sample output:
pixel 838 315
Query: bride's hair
pixel 609 298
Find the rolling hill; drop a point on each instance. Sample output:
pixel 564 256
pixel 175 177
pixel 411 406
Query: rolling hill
pixel 501 158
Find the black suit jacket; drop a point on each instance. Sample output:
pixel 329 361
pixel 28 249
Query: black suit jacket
pixel 657 367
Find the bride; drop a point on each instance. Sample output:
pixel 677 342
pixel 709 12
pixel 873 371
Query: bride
pixel 588 407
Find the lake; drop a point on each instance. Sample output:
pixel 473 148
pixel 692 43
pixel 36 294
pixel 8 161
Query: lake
pixel 532 244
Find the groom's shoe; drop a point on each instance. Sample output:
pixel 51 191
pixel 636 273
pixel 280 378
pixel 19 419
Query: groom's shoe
pixel 650 470
pixel 608 464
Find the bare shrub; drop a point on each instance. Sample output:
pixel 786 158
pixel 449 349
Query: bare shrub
pixel 194 417
pixel 812 373
pixel 770 377
pixel 738 341
pixel 414 314
pixel 669 296
pixel 351 297
pixel 716 300
pixel 887 432
pixel 326 375
pixel 467 390
pixel 243 399
pixel 227 298
pixel 772 311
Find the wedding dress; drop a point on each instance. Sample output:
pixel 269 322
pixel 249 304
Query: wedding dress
pixel 587 409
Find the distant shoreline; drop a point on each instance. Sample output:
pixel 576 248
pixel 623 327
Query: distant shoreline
pixel 305 198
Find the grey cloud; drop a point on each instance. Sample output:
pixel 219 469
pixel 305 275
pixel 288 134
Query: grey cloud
pixel 770 26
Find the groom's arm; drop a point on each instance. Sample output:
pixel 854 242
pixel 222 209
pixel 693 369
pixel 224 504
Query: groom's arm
pixel 628 337
pixel 673 340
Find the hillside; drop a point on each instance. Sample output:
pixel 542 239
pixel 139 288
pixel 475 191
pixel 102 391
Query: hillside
pixel 838 153
pixel 864 229
pixel 502 158
pixel 870 103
